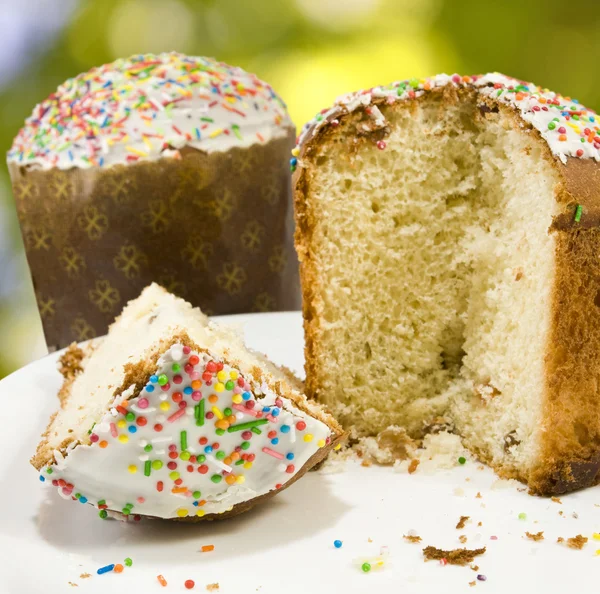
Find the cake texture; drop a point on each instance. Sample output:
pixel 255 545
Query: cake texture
pixel 448 231
pixel 171 416
pixel 147 169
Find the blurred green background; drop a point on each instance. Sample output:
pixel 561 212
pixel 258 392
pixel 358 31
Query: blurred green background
pixel 309 50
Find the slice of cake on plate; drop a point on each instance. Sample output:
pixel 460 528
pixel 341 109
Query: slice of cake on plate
pixel 448 231
pixel 171 416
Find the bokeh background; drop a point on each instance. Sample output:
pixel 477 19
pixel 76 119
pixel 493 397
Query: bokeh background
pixel 309 50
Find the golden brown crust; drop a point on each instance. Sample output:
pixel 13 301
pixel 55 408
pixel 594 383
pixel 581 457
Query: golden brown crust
pixel 70 366
pixel 69 363
pixel 569 452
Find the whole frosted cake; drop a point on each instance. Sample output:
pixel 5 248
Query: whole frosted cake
pixel 166 168
pixel 171 416
pixel 448 235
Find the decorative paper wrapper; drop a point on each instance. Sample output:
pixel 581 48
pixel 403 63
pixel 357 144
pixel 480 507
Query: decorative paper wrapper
pixel 216 229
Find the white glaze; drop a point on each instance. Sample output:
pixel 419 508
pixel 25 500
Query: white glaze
pixel 113 114
pixel 97 473
pixel 534 105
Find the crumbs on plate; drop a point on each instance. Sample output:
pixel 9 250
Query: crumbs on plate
pixel 461 522
pixel 454 556
pixel 575 542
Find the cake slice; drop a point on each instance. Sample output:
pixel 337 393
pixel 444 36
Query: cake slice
pixel 448 232
pixel 170 416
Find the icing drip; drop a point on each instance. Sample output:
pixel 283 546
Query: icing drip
pixel 198 439
pixel 146 107
pixel 569 128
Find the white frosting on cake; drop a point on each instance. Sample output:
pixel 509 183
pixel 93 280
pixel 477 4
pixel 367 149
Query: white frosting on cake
pixel 154 453
pixel 146 107
pixel 569 128
pixel 129 463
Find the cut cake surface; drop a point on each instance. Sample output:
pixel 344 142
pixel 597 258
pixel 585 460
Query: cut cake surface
pixel 448 234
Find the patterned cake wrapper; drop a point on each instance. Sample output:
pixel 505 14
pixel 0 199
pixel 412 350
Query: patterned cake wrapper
pixel 213 228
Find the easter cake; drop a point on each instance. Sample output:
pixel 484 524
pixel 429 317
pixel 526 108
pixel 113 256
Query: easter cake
pixel 171 416
pixel 448 234
pixel 167 168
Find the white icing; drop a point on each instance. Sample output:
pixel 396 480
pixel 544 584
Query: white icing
pixel 103 473
pixel 120 112
pixel 569 120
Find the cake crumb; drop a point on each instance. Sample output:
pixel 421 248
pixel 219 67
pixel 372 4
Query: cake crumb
pixel 537 537
pixel 575 542
pixel 85 576
pixel 336 462
pixel 395 444
pixel 369 539
pixel 73 585
pixel 69 365
pixel 461 522
pixel 478 496
pixel 475 567
pixel 462 538
pixel 437 451
pixel 414 463
pixel 212 587
pixel 366 463
pixel 556 500
pixel 479 524
pixel 473 583
pixel 560 512
pixel 454 556
pixel 412 538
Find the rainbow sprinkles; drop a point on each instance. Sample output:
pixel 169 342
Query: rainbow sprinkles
pixel 569 128
pixel 187 444
pixel 172 417
pixel 146 107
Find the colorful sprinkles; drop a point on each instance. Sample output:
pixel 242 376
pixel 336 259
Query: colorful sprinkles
pixel 569 128
pixel 105 569
pixel 369 564
pixel 148 106
pixel 222 425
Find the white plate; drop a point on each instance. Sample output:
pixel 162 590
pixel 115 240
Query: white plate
pixel 285 546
